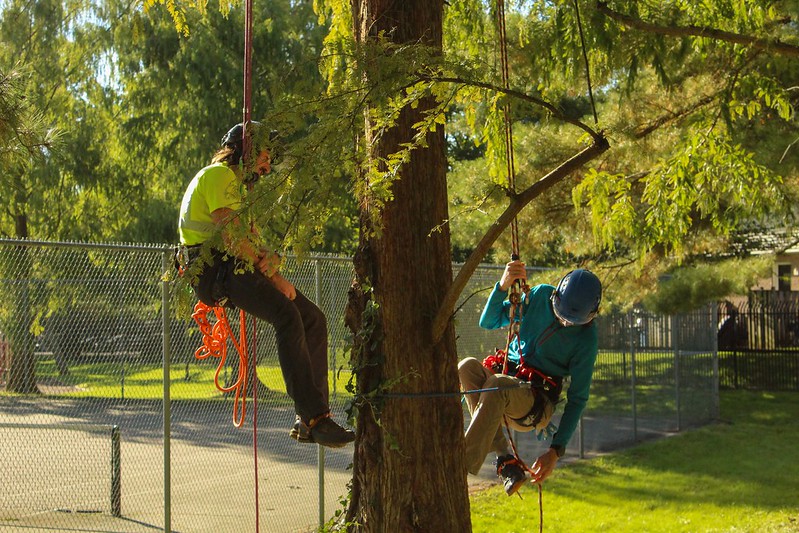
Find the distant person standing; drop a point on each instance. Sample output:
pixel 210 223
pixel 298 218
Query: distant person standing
pixel 209 205
pixel 732 333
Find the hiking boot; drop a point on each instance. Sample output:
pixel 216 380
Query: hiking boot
pixel 323 430
pixel 299 431
pixel 511 473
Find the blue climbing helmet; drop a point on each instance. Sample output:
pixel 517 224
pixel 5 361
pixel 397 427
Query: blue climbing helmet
pixel 577 296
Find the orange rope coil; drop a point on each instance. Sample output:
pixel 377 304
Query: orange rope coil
pixel 214 344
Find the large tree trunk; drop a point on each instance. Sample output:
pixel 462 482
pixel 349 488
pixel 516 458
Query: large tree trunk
pixel 408 473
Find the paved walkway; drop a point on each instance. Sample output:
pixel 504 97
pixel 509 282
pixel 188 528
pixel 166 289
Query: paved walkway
pixel 211 475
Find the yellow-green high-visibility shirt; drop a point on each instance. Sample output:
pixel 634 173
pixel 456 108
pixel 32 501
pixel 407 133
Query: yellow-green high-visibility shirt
pixel 212 188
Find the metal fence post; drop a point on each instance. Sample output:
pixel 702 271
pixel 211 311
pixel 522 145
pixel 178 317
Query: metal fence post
pixel 167 359
pixel 633 384
pixel 714 343
pixel 116 473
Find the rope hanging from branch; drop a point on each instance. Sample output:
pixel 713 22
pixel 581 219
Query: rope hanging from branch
pixel 519 286
pixel 585 60
pixel 509 157
pixel 247 154
pixel 247 104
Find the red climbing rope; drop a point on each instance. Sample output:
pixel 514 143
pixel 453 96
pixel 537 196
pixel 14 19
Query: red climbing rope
pixel 247 112
pixel 530 471
pixel 247 104
pixel 253 361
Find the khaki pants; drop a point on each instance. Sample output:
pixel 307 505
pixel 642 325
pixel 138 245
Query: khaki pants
pixel 485 432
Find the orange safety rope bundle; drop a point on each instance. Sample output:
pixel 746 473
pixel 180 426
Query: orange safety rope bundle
pixel 214 344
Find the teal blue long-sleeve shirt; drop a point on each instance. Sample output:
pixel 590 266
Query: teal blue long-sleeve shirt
pixel 550 347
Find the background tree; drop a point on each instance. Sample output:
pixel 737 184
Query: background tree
pixel 55 51
pixel 701 123
pixel 25 138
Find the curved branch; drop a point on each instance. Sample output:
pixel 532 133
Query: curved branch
pixel 595 135
pixel 772 45
pixel 517 203
pixel 653 125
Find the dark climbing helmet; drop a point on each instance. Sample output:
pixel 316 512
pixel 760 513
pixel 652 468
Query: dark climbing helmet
pixel 577 296
pixel 262 139
pixel 234 138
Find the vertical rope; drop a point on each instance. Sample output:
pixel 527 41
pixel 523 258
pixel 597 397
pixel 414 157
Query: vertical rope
pixel 585 60
pixel 254 359
pixel 247 111
pixel 516 288
pixel 246 142
pixel 509 156
pixel 515 296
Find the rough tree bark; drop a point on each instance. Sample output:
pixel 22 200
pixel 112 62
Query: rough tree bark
pixel 408 471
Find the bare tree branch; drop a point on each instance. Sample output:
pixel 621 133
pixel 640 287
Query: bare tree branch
pixel 771 45
pixel 517 203
pixel 520 96
pixel 653 125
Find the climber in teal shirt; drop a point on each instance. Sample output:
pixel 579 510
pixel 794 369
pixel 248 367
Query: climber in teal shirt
pixel 556 338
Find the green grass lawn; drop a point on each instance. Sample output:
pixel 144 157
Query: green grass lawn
pixel 195 381
pixel 739 475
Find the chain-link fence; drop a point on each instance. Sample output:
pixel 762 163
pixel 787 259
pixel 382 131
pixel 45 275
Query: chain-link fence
pixel 93 439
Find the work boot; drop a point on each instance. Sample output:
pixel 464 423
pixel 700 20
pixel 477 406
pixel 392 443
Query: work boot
pixel 511 473
pixel 323 430
pixel 299 431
